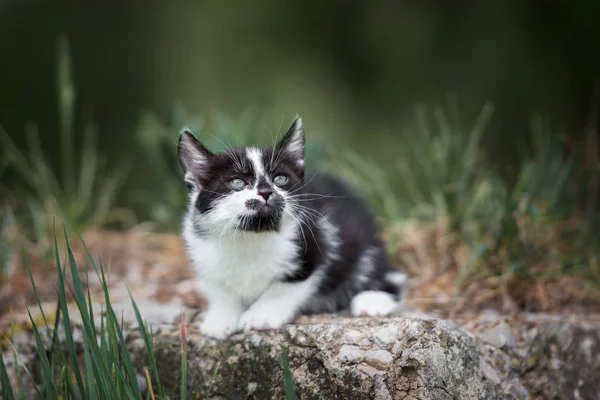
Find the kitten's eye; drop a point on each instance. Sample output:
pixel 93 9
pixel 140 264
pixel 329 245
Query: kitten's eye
pixel 237 184
pixel 280 180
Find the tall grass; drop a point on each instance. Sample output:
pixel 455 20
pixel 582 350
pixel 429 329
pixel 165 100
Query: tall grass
pixel 158 140
pixel 81 194
pixel 511 227
pixel 436 165
pixel 106 369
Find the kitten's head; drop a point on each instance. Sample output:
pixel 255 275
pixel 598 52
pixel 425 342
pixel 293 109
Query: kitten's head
pixel 248 189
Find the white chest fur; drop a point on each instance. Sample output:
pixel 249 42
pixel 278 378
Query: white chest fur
pixel 242 263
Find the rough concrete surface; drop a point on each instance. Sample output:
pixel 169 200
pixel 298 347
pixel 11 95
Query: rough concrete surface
pixel 334 357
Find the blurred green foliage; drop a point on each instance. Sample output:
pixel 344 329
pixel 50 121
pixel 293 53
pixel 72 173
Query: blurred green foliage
pixel 82 194
pixel 436 164
pixel 535 226
pixel 352 71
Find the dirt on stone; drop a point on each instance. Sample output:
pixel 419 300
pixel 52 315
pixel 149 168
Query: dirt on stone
pixel 135 260
pixel 155 266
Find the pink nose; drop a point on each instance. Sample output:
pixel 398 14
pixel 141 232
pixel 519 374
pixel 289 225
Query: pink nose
pixel 265 194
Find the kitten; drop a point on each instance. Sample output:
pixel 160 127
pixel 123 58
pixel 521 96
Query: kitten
pixel 269 242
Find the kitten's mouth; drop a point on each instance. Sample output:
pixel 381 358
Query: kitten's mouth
pixel 261 206
pixel 263 217
pixel 266 211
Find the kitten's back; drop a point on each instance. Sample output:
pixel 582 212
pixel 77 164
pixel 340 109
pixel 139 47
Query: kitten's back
pixel 344 204
pixel 361 260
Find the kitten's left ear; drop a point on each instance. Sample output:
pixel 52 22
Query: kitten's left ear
pixel 194 158
pixel 293 141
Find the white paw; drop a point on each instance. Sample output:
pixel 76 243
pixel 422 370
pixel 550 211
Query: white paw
pixel 262 318
pixel 219 325
pixel 373 303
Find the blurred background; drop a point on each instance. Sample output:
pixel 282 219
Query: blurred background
pixel 472 126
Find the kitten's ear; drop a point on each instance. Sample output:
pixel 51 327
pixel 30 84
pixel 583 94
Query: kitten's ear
pixel 194 158
pixel 293 141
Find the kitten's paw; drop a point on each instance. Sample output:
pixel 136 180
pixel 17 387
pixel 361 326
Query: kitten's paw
pixel 373 303
pixel 219 326
pixel 263 318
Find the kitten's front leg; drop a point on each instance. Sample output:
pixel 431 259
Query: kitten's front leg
pixel 277 306
pixel 223 313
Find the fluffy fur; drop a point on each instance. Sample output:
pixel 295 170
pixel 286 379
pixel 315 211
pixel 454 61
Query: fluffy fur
pixel 268 241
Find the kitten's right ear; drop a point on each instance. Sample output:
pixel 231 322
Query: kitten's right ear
pixel 194 158
pixel 293 141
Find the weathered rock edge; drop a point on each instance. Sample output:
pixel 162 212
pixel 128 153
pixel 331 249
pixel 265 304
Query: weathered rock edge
pixel 395 358
pixel 341 359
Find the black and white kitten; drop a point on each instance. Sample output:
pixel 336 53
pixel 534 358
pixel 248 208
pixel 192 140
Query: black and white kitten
pixel 269 242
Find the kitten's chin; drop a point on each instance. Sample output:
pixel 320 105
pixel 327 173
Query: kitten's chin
pixel 260 222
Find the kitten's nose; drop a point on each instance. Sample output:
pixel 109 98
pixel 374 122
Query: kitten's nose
pixel 265 194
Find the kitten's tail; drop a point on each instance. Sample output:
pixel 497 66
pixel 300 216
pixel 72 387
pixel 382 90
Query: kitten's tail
pixel 384 300
pixel 396 284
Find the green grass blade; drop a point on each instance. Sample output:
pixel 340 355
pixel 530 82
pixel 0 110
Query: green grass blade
pixel 64 393
pixel 33 285
pixel 89 333
pixel 124 353
pixel 49 385
pixel 112 350
pixel 67 391
pixel 66 99
pixel 111 326
pixel 149 347
pixel 20 387
pixel 103 343
pixel 16 360
pixel 7 390
pixel 90 384
pixel 213 378
pixel 77 283
pixel 81 302
pixel 89 256
pixel 91 388
pixel 62 299
pixel 288 379
pixel 112 340
pixel 102 356
pixel 89 298
pixel 46 184
pixel 16 158
pixel 58 304
pixel 54 338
